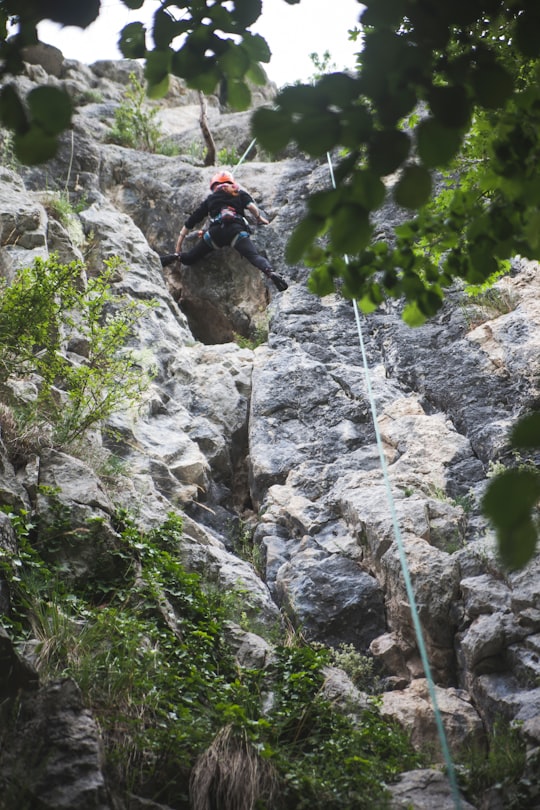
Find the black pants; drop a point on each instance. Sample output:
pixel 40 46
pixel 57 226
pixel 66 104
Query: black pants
pixel 222 236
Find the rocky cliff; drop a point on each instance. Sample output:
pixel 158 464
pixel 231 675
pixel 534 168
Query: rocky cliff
pixel 277 442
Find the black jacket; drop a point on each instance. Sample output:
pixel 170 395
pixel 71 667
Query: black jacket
pixel 216 202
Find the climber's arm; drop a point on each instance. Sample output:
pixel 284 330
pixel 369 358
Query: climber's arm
pixel 182 235
pixel 252 208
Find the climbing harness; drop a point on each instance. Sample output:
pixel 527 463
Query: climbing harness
pixel 236 238
pixel 209 241
pixel 403 558
pixel 226 216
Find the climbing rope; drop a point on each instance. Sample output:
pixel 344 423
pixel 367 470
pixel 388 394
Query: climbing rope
pixel 403 559
pixel 246 153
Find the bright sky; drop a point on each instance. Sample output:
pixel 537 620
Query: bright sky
pixel 292 32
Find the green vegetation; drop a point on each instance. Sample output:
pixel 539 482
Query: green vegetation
pixel 134 126
pixel 500 766
pixel 360 668
pixel 241 537
pixel 259 336
pixel 146 642
pixel 512 498
pixel 227 156
pixel 44 307
pixel 58 206
pixel 485 305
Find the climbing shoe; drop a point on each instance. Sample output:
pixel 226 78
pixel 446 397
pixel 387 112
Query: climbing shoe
pixel 279 282
pixel 170 258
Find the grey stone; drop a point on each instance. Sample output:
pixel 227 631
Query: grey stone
pixel 52 757
pixel 424 790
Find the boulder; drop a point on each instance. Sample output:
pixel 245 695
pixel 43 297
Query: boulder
pixel 413 709
pixel 424 790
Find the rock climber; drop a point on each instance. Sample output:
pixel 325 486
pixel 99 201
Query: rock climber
pixel 225 206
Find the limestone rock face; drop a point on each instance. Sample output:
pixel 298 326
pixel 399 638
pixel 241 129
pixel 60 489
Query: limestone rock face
pixel 412 708
pixel 52 755
pixel 424 790
pixel 279 437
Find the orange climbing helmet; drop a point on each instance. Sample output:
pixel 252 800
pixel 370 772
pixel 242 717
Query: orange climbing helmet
pixel 221 177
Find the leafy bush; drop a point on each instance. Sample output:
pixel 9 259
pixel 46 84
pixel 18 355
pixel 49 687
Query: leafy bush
pixel 228 156
pixel 360 668
pixel 259 336
pixel 40 310
pixel 147 647
pixel 500 766
pixel 134 126
pixel 485 304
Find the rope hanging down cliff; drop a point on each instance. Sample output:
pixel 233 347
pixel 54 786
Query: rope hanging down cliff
pixel 403 558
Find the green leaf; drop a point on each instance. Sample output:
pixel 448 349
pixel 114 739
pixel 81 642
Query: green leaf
pixel 160 89
pixel 321 281
pixel 156 70
pixel 357 126
pixel 132 42
pixel 50 108
pixel 257 47
pixel 413 315
pixel 526 34
pixel 299 98
pixel 450 105
pixel 257 74
pixel 191 64
pixel 437 145
pixel 367 305
pixel 508 502
pixel 350 229
pixel 206 80
pixel 517 545
pixel 302 237
pixel 526 432
pixel 66 13
pixel 12 113
pixel 340 89
pixel 384 13
pixel 388 150
pixel 35 146
pixel 238 95
pixel 414 187
pixel 430 301
pixel 367 189
pixel 322 203
pixel 317 133
pixel 246 12
pixel 482 259
pixel 510 496
pixel 165 29
pixel 271 128
pixel 493 85
pixel 393 107
pixel 234 62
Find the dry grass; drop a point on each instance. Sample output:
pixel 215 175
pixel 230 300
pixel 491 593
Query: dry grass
pixel 232 775
pixel 21 443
